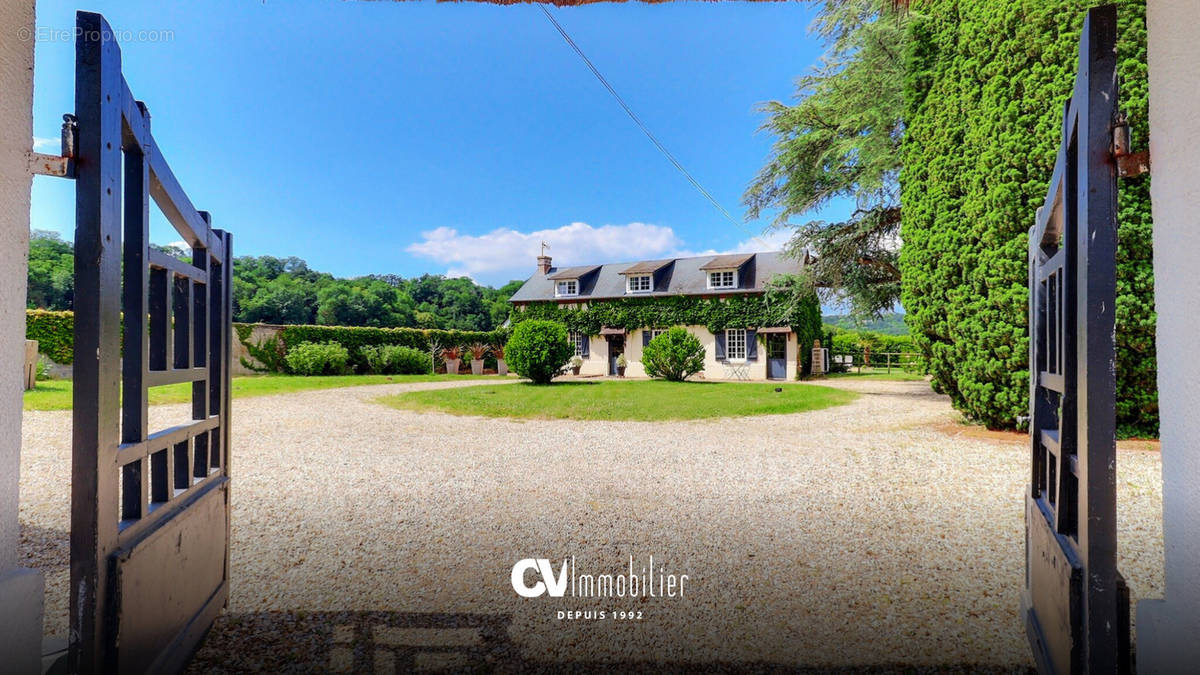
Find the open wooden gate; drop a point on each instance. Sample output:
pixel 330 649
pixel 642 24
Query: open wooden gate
pixel 149 511
pixel 1075 604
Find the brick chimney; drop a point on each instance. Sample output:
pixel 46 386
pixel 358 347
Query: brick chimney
pixel 543 264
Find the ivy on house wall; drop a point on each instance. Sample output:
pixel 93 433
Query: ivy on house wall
pixel 985 86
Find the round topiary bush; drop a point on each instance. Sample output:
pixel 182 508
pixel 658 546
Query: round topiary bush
pixel 674 355
pixel 318 358
pixel 538 350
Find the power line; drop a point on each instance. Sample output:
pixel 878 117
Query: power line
pixel 636 120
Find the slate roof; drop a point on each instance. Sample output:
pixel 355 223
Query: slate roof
pixel 681 276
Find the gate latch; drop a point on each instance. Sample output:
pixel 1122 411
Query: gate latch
pixel 1129 164
pixel 62 166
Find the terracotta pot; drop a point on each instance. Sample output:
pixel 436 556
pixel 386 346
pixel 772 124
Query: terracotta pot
pixel 575 371
pixel 452 366
pixel 476 366
pixel 620 371
pixel 501 367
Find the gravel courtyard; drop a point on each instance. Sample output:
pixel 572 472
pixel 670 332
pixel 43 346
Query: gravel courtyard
pixel 878 534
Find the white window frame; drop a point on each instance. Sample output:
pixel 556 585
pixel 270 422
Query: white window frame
pixel 655 332
pixel 730 355
pixel 724 279
pixel 577 340
pixel 634 283
pixel 572 286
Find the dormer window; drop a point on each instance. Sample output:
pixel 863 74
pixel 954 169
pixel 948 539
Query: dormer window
pixel 718 279
pixel 566 287
pixel 639 283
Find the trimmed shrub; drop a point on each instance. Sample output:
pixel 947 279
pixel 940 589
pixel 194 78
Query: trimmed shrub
pixel 353 338
pixel 396 360
pixel 54 332
pixel 674 355
pixel 318 358
pixel 538 350
pixel 984 94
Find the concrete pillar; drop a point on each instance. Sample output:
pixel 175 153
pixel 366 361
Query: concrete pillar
pixel 1168 629
pixel 818 359
pixel 29 367
pixel 20 589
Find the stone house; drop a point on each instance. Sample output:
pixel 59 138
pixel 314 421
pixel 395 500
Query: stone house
pixel 755 352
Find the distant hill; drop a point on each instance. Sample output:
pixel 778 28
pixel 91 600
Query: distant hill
pixel 888 324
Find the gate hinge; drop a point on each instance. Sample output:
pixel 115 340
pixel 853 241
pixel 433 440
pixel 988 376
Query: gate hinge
pixel 62 166
pixel 1129 164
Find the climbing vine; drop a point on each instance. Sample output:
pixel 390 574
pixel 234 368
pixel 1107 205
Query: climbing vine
pixel 779 306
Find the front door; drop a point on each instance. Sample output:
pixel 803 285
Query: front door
pixel 777 357
pixel 616 347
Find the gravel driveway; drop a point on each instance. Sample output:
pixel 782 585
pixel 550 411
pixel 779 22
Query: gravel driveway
pixel 877 534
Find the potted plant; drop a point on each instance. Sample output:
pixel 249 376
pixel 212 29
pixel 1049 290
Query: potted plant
pixel 576 364
pixel 621 363
pixel 478 351
pixel 452 355
pixel 501 366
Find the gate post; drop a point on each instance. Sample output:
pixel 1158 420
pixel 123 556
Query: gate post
pixel 1168 627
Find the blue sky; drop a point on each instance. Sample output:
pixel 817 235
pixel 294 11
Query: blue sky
pixel 403 138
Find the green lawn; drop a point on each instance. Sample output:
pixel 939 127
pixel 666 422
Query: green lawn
pixel 895 375
pixel 641 400
pixel 56 394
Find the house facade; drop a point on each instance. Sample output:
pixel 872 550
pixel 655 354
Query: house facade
pixel 643 299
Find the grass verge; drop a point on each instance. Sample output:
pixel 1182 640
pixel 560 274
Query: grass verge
pixel 895 376
pixel 636 400
pixel 56 394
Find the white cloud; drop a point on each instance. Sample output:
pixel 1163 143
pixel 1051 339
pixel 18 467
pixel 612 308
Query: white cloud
pixel 40 144
pixel 774 240
pixel 504 254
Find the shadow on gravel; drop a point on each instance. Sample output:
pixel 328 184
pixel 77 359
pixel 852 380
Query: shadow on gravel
pixel 44 548
pixel 398 642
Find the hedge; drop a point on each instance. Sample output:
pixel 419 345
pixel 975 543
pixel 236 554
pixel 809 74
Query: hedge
pixel 354 337
pixel 853 341
pixel 55 333
pixel 984 93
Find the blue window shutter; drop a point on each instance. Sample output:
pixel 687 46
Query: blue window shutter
pixel 751 346
pixel 720 345
pixel 645 336
pixel 584 349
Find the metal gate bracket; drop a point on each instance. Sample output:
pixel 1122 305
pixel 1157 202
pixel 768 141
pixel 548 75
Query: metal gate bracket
pixel 61 166
pixel 51 165
pixel 1129 164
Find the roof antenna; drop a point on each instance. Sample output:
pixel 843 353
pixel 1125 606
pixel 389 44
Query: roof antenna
pixel 544 247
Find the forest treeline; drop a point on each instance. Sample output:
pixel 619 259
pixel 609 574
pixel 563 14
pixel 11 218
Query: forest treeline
pixel 267 289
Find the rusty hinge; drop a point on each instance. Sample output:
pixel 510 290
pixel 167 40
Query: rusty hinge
pixel 1129 163
pixel 62 166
